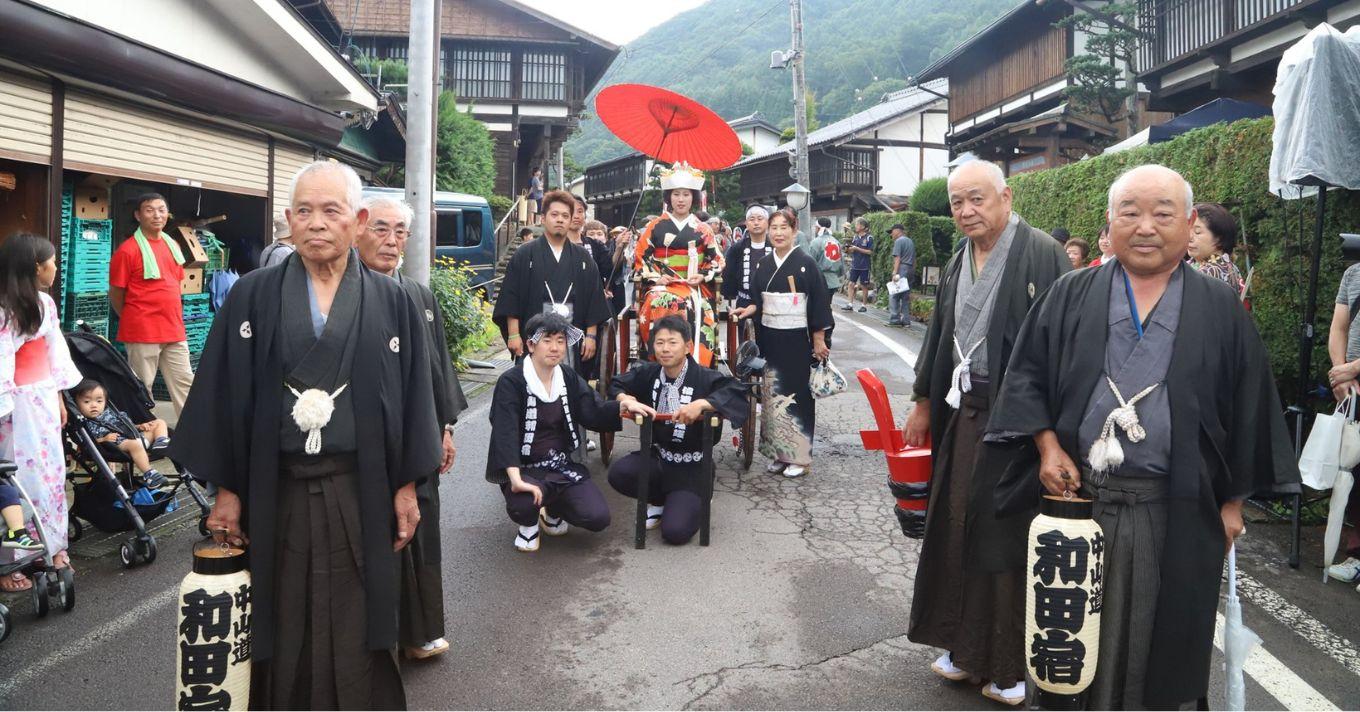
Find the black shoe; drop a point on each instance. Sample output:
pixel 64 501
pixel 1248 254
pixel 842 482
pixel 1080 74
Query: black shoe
pixel 895 322
pixel 848 307
pixel 863 309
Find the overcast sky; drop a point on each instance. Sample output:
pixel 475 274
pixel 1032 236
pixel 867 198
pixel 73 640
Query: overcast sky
pixel 619 21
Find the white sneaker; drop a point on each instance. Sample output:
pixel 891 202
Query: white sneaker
pixel 1347 571
pixel 944 667
pixel 527 538
pixel 435 647
pixel 654 516
pixel 774 467
pixel 1012 696
pixel 591 446
pixel 552 526
pixel 794 471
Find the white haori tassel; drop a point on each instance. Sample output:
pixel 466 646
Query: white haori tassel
pixel 312 412
pixel 1106 453
pixel 961 381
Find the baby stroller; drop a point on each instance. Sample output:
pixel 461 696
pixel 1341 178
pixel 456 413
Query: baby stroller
pixel 103 500
pixel 49 582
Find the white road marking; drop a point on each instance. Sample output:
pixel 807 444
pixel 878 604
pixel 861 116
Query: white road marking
pixel 1279 681
pixel 83 643
pixel 907 355
pixel 1343 651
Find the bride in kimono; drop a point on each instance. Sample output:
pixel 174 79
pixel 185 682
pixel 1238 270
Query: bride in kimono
pixel 34 366
pixel 793 330
pixel 679 257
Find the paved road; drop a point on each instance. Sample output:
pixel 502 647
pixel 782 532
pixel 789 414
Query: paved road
pixel 801 601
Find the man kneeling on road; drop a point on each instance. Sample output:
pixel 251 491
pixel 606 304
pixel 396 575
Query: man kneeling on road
pixel 674 385
pixel 535 447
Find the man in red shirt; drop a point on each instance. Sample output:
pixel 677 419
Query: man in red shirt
pixel 144 281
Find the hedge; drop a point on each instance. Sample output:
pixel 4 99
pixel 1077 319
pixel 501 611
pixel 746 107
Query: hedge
pixel 931 197
pixel 1226 163
pixel 934 237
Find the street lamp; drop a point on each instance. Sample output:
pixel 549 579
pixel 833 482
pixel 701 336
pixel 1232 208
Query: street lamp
pixel 796 197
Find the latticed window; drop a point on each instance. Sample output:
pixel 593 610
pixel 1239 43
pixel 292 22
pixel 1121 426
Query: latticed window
pixel 481 73
pixel 545 76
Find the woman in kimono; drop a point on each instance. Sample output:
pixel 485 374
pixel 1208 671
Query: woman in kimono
pixel 535 445
pixel 34 365
pixel 678 256
pixel 793 330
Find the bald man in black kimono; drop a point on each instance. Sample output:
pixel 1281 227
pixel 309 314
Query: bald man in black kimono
pixel 324 490
pixel 1203 430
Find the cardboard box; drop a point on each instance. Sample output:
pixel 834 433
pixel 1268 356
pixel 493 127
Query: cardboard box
pixel 91 202
pixel 193 281
pixel 192 249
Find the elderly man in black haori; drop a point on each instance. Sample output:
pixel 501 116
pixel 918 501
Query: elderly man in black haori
pixel 381 246
pixel 675 384
pixel 965 602
pixel 300 356
pixel 535 453
pixel 1144 385
pixel 552 274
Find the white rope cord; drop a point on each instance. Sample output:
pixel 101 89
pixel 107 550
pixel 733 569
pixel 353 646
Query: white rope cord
pixel 961 381
pixel 1106 453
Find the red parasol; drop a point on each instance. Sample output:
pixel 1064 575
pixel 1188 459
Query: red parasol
pixel 667 126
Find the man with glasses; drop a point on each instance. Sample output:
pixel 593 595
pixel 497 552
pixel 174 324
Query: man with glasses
pixel 381 247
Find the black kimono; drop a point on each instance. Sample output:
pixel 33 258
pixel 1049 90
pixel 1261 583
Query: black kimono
pixel 537 432
pixel 233 433
pixel 784 328
pixel 677 450
pixel 740 268
pixel 963 601
pixel 536 280
pixel 1228 440
pixel 422 606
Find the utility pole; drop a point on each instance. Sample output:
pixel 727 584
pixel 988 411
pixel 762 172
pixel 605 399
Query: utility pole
pixel 422 95
pixel 800 159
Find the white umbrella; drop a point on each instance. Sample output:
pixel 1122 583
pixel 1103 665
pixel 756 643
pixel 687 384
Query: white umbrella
pixel 1238 640
pixel 1336 513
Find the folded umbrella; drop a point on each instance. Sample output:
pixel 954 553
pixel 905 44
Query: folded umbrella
pixel 1336 515
pixel 1238 640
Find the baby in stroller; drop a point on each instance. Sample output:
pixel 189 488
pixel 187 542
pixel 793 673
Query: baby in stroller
pixel 107 424
pixel 16 532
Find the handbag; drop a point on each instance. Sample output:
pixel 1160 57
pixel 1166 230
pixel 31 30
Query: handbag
pixel 1349 454
pixel 1321 456
pixel 826 380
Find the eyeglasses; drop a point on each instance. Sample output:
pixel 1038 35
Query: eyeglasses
pixel 384 231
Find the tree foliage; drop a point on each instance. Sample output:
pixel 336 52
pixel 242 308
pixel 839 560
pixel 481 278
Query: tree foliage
pixel 857 50
pixel 931 197
pixel 464 160
pixel 1097 74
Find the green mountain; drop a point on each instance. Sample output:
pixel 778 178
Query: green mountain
pixel 719 54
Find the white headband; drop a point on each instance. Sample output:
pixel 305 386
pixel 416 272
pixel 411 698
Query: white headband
pixel 573 335
pixel 757 209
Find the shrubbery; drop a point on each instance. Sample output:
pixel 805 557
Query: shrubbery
pixel 931 197
pixel 467 316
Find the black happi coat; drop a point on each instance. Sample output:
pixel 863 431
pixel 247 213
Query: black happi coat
pixel 726 394
pixel 1033 263
pixel 741 261
pixel 229 431
pixel 1228 440
pixel 523 294
pixel 509 402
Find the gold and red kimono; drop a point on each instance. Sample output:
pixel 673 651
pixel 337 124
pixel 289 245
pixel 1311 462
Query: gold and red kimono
pixel 679 249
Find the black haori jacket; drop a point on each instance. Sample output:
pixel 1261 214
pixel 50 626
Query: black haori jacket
pixel 229 431
pixel 1228 441
pixel 1033 263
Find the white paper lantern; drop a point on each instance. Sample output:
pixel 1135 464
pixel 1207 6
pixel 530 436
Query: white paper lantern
pixel 213 660
pixel 1063 598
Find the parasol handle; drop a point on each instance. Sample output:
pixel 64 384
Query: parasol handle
pixel 1232 571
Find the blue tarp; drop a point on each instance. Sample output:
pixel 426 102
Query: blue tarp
pixel 1216 111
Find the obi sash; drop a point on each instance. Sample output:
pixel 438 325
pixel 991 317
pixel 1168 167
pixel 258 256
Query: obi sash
pixel 784 310
pixel 31 363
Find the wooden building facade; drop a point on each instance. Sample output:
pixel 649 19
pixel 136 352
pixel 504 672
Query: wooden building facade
pixel 524 73
pixel 1193 51
pixel 1006 100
